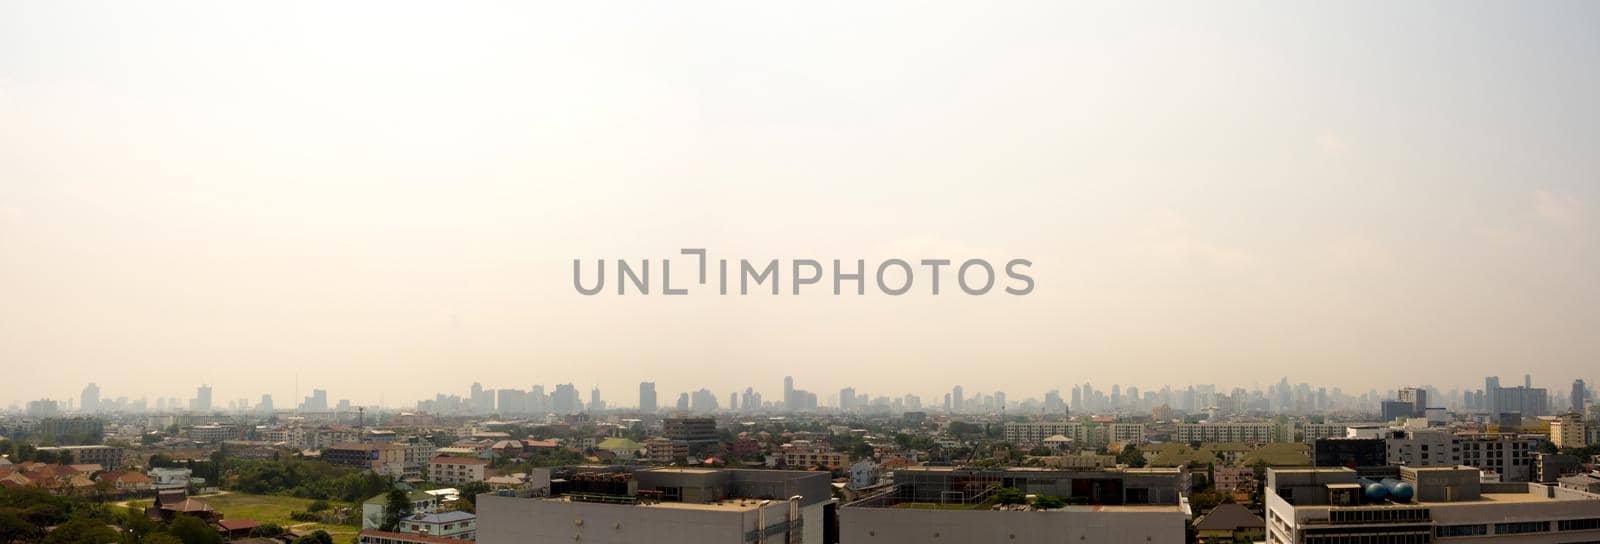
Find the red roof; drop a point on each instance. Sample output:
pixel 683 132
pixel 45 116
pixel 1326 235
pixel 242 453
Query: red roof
pixel 237 524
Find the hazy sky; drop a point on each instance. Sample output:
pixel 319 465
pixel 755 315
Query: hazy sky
pixel 387 197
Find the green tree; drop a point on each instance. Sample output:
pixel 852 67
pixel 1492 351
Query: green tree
pixel 160 538
pixel 470 491
pixel 317 506
pixel 398 508
pixel 82 531
pixel 1132 457
pixel 191 530
pixel 1048 502
pixel 266 530
pixel 1010 495
pixel 318 537
pixel 15 529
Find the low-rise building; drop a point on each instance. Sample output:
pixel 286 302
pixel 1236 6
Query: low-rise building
pixel 105 456
pixel 386 459
pixel 668 505
pixel 944 504
pixel 1423 505
pixel 457 470
pixel 376 508
pixel 450 524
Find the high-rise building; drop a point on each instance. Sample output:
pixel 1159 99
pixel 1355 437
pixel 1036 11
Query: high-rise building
pixel 1418 399
pixel 595 404
pixel 957 404
pixel 1491 392
pixel 647 396
pixel 565 399
pixel 202 399
pixel 89 401
pixel 1579 391
pixel 265 406
pixel 788 394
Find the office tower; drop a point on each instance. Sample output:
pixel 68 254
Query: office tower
pixel 1579 390
pixel 1491 392
pixel 565 399
pixel 683 402
pixel 647 396
pixel 1116 396
pixel 265 406
pixel 733 401
pixel 1527 381
pixel 788 393
pixel 847 399
pixel 482 399
pixel 1052 402
pixel 957 405
pixel 1417 398
pixel 202 399
pixel 538 402
pixel 90 399
pixel 317 402
pixel 595 404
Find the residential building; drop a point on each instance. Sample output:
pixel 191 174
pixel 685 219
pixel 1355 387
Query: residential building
pixel 1506 454
pixel 1227 432
pixel 65 431
pixel 807 454
pixel 109 457
pixel 1567 431
pixel 665 450
pixel 450 524
pixel 386 459
pixel 457 470
pixel 374 510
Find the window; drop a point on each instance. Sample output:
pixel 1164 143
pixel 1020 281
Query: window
pixel 1521 527
pixel 1461 530
pixel 1578 524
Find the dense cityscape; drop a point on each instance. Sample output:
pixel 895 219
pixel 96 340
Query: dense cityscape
pixel 1198 463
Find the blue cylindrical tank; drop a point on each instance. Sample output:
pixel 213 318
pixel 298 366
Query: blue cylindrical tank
pixel 1373 491
pixel 1398 491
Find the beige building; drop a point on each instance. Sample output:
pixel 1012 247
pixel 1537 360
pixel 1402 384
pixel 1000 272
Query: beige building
pixel 1567 431
pixel 457 470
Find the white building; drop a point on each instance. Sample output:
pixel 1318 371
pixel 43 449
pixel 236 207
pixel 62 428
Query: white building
pixel 1448 504
pixel 668 506
pixel 1227 432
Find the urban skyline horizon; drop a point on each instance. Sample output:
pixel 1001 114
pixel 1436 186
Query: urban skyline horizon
pixel 827 397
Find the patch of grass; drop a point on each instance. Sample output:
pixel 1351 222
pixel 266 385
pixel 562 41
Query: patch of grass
pixel 270 509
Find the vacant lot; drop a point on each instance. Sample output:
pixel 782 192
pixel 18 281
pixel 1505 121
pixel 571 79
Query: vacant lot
pixel 270 509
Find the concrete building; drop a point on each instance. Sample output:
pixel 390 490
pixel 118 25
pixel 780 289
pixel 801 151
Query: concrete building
pixel 457 470
pixel 449 524
pixel 610 505
pixel 1442 504
pixel 109 457
pixel 1567 431
pixel 1105 506
pixel 374 509
pixel 1259 433
pixel 386 459
pixel 1509 455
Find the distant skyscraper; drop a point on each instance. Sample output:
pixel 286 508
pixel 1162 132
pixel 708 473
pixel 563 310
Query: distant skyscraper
pixel 1418 398
pixel 647 396
pixel 956 403
pixel 1579 390
pixel 89 401
pixel 565 399
pixel 1527 381
pixel 595 404
pixel 202 399
pixel 683 402
pixel 789 402
pixel 265 406
pixel 317 402
pixel 1491 392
